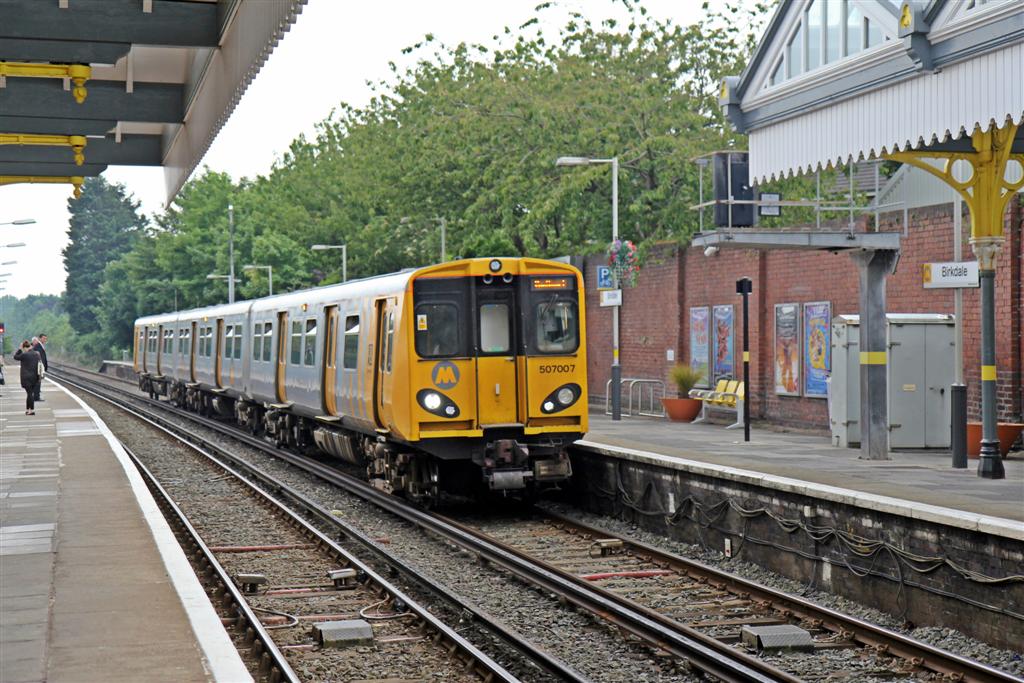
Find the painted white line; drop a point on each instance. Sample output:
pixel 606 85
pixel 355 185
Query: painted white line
pixel 998 526
pixel 221 656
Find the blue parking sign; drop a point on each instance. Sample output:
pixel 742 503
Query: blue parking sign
pixel 604 278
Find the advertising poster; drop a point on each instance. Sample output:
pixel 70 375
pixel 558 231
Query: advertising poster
pixel 724 365
pixel 817 352
pixel 787 349
pixel 699 336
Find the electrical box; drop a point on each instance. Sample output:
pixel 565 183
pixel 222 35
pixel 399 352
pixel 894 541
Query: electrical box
pixel 921 367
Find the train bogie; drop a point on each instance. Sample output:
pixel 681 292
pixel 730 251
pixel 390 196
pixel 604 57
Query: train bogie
pixel 469 372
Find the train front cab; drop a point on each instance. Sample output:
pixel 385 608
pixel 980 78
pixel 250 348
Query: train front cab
pixel 499 357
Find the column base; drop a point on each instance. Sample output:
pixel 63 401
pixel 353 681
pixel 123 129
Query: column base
pixel 990 462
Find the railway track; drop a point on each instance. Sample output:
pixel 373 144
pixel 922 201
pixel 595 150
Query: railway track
pixel 652 595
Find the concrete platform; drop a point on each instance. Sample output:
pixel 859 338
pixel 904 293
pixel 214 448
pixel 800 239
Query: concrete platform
pixel 919 484
pixel 93 585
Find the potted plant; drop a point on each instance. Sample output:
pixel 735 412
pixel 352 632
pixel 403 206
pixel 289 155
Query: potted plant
pixel 1007 432
pixel 683 409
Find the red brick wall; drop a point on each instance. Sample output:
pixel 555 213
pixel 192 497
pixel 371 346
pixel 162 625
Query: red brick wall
pixel 655 314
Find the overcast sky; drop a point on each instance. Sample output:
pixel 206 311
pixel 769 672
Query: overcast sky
pixel 326 58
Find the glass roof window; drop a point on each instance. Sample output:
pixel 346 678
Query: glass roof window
pixel 827 32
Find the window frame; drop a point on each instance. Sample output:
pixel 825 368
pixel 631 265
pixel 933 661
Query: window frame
pixel 308 348
pixel 268 341
pixel 354 343
pixel 509 349
pixel 295 343
pixel 459 342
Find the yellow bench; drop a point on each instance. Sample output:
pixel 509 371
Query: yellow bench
pixel 728 394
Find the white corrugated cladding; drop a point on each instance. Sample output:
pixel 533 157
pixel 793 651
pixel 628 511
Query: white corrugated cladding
pixel 988 88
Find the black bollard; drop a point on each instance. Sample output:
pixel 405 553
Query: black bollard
pixel 958 411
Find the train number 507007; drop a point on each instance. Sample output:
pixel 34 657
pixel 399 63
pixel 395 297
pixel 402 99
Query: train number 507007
pixel 547 369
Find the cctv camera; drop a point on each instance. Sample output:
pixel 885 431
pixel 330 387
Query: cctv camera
pixel 711 251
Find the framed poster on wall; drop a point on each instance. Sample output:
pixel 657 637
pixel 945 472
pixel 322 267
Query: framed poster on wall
pixel 699 336
pixel 817 350
pixel 787 349
pixel 723 322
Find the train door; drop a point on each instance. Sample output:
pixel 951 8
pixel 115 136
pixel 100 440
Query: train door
pixel 497 397
pixel 192 354
pixel 329 390
pixel 140 348
pixel 282 357
pixel 161 348
pixel 218 359
pixel 383 362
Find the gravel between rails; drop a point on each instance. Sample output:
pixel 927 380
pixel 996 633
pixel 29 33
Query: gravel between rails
pixel 591 646
pixel 945 638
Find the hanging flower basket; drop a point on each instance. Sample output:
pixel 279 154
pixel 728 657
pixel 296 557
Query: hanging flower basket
pixel 623 261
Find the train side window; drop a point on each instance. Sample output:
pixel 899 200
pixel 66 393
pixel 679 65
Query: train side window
pixel 183 336
pixel 557 327
pixel 309 346
pixel 257 340
pixel 238 342
pixel 437 330
pixel 229 341
pixel 350 359
pixel 168 345
pixel 268 336
pixel 296 354
pixel 495 331
pixel 390 340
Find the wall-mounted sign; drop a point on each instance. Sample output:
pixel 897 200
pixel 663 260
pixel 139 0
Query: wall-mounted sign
pixel 611 297
pixel 787 349
pixel 817 351
pixel 952 274
pixel 724 365
pixel 604 278
pixel 766 208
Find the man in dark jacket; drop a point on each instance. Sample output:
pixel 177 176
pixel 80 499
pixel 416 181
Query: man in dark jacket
pixel 30 360
pixel 39 346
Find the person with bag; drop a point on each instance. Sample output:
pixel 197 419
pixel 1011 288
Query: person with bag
pixel 31 374
pixel 39 346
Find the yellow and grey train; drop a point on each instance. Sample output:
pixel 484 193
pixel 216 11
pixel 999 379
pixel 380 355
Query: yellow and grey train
pixel 464 375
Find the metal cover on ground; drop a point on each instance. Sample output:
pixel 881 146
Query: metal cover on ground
pixel 782 637
pixel 343 633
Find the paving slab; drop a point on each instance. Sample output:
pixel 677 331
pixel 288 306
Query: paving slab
pixel 919 483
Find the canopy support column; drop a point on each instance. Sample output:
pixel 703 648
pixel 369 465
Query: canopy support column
pixel 874 267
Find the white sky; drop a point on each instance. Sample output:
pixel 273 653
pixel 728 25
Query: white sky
pixel 326 58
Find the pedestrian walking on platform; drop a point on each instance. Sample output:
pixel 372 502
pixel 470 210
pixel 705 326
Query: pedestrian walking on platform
pixel 31 364
pixel 39 346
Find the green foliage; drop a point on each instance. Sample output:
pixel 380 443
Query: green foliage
pixel 103 224
pixel 467 137
pixel 685 378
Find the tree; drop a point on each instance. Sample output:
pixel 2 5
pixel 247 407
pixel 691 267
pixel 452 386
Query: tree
pixel 104 223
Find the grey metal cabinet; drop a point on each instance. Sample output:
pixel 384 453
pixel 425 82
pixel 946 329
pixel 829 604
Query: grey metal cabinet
pixel 921 367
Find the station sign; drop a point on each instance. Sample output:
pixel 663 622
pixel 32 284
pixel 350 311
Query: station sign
pixel 951 275
pixel 611 297
pixel 604 278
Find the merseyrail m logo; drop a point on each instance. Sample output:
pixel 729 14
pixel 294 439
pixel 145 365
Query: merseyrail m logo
pixel 445 375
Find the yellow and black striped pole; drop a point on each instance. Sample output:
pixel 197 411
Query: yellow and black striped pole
pixel 744 286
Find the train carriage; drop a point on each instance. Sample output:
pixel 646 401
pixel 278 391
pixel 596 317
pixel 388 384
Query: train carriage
pixel 467 372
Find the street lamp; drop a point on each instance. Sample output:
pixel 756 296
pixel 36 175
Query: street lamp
pixel 616 367
pixel 8 263
pixel 344 256
pixel 20 221
pixel 270 275
pixel 13 244
pixel 231 285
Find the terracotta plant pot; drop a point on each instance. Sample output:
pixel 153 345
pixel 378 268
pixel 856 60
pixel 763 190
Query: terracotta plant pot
pixel 681 409
pixel 1007 431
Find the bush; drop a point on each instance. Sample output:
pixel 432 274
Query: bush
pixel 685 378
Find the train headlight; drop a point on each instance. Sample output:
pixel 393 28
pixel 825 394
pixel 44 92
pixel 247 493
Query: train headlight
pixel 561 398
pixel 436 403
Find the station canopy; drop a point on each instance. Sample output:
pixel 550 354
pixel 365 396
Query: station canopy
pixel 839 81
pixel 89 83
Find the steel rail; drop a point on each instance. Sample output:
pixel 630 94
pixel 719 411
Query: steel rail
pixel 199 443
pixel 870 635
pixel 272 662
pixel 700 651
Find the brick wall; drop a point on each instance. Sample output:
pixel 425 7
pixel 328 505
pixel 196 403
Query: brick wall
pixel 655 314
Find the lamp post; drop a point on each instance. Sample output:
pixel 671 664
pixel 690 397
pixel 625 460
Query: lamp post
pixel 231 254
pixel 231 286
pixel 20 221
pixel 616 367
pixel 270 275
pixel 344 256
pixel 12 245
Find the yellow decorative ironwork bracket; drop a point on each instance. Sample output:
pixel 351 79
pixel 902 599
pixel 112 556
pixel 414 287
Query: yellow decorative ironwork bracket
pixel 987 190
pixel 77 73
pixel 77 143
pixel 55 180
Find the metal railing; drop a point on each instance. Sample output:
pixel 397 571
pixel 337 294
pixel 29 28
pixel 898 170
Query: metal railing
pixel 643 397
